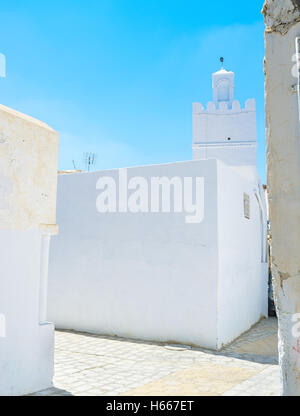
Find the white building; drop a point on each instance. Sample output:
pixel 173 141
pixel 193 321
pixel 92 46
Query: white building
pixel 28 182
pixel 157 274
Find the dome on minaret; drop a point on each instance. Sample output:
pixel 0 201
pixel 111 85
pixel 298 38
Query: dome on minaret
pixel 223 87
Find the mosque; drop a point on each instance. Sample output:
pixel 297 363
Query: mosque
pixel 126 267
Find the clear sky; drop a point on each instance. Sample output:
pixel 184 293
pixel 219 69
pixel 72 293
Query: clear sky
pixel 118 77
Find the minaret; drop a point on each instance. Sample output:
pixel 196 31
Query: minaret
pixel 224 130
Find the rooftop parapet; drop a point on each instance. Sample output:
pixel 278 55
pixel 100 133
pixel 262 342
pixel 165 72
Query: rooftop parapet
pixel 224 108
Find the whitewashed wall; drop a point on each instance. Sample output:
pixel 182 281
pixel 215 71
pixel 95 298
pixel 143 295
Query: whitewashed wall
pixel 152 276
pixel 28 180
pixel 243 268
pixel 26 344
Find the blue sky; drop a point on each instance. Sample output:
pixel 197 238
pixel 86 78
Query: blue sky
pixel 118 77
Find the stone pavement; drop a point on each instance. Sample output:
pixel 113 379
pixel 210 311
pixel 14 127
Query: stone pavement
pixel 93 365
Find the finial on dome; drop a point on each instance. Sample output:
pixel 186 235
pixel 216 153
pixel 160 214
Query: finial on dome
pixel 222 62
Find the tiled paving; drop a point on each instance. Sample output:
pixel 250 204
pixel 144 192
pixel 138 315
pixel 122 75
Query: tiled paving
pixel 92 365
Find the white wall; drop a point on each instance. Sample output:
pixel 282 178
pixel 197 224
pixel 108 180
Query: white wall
pixel 147 276
pixel 243 271
pixel 28 179
pixel 152 276
pixel 26 350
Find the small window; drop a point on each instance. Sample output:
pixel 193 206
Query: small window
pixel 247 206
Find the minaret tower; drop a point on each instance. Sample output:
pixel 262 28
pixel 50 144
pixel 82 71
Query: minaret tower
pixel 224 130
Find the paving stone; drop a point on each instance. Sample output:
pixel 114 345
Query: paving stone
pixel 89 364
